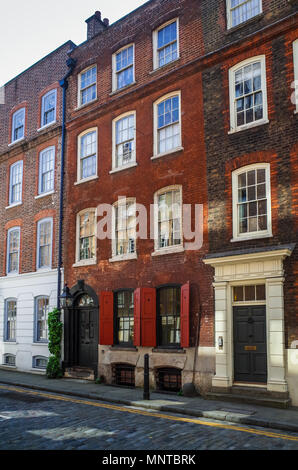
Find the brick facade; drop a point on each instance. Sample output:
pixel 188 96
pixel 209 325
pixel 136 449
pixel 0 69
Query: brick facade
pixel 26 90
pixel 210 153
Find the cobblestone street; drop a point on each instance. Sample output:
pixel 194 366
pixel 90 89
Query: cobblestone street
pixel 36 421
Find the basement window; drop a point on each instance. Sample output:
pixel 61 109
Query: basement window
pixel 9 360
pixel 168 379
pixel 124 375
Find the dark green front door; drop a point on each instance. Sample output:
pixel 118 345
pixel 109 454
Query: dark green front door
pixel 250 344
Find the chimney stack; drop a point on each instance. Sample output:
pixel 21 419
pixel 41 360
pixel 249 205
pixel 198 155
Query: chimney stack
pixel 95 25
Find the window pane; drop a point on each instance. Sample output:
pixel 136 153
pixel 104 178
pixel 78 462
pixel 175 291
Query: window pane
pixel 252 217
pixel 49 108
pixel 125 141
pixel 42 307
pixel 261 292
pixel 125 316
pixel 250 293
pixel 248 94
pixel 87 235
pixel 47 162
pixel 169 316
pixel 45 243
pixel 238 294
pixel 169 216
pixel 243 10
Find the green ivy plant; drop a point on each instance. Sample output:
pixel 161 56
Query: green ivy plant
pixel 54 370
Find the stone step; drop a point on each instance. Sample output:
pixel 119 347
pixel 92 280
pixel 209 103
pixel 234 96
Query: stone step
pixel 258 392
pixel 79 373
pixel 250 399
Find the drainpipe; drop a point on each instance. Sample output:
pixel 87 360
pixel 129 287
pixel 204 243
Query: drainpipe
pixel 64 85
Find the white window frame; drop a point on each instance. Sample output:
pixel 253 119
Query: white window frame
pixel 114 68
pixel 95 176
pixel 168 249
pixel 90 261
pixel 6 339
pixel 15 114
pixel 155 44
pixel 42 124
pixel 40 192
pixel 79 102
pixel 39 223
pixel 124 256
pixel 156 154
pixel 4 360
pixel 251 235
pixel 15 203
pixel 295 61
pixel 233 114
pixel 36 340
pixel 229 14
pixel 12 229
pixel 34 362
pixel 114 140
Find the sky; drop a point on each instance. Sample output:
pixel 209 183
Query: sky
pixel 31 29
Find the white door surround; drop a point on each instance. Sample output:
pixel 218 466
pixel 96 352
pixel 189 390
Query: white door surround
pixel 251 266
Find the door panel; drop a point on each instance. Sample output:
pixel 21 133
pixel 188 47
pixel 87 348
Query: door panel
pixel 88 342
pixel 250 344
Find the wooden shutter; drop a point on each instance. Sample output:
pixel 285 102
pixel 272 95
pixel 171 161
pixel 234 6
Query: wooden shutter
pixel 106 328
pixel 148 316
pixel 137 318
pixel 184 315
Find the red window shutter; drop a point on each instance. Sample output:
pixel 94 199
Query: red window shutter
pixel 137 318
pixel 184 315
pixel 106 315
pixel 148 316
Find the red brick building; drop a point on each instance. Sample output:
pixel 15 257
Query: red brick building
pixel 184 103
pixel 30 150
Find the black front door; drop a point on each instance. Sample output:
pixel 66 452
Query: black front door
pixel 250 346
pixel 88 337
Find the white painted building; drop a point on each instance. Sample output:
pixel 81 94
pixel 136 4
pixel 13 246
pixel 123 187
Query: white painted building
pixel 25 301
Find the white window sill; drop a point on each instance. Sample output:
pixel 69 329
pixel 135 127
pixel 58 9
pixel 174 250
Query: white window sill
pixel 88 262
pixel 126 167
pixel 159 69
pixel 81 106
pixel 15 142
pixel 46 126
pixel 44 270
pixel 40 343
pixel 160 155
pixel 13 274
pixel 168 251
pixel 128 257
pixel 13 205
pixel 114 92
pixel 6 366
pixel 249 126
pixel 86 180
pixel 10 342
pixel 44 195
pixel 253 236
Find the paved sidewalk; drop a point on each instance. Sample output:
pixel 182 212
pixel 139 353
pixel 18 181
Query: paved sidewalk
pixel 241 413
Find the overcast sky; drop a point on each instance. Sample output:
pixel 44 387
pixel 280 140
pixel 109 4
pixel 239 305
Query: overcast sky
pixel 30 29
